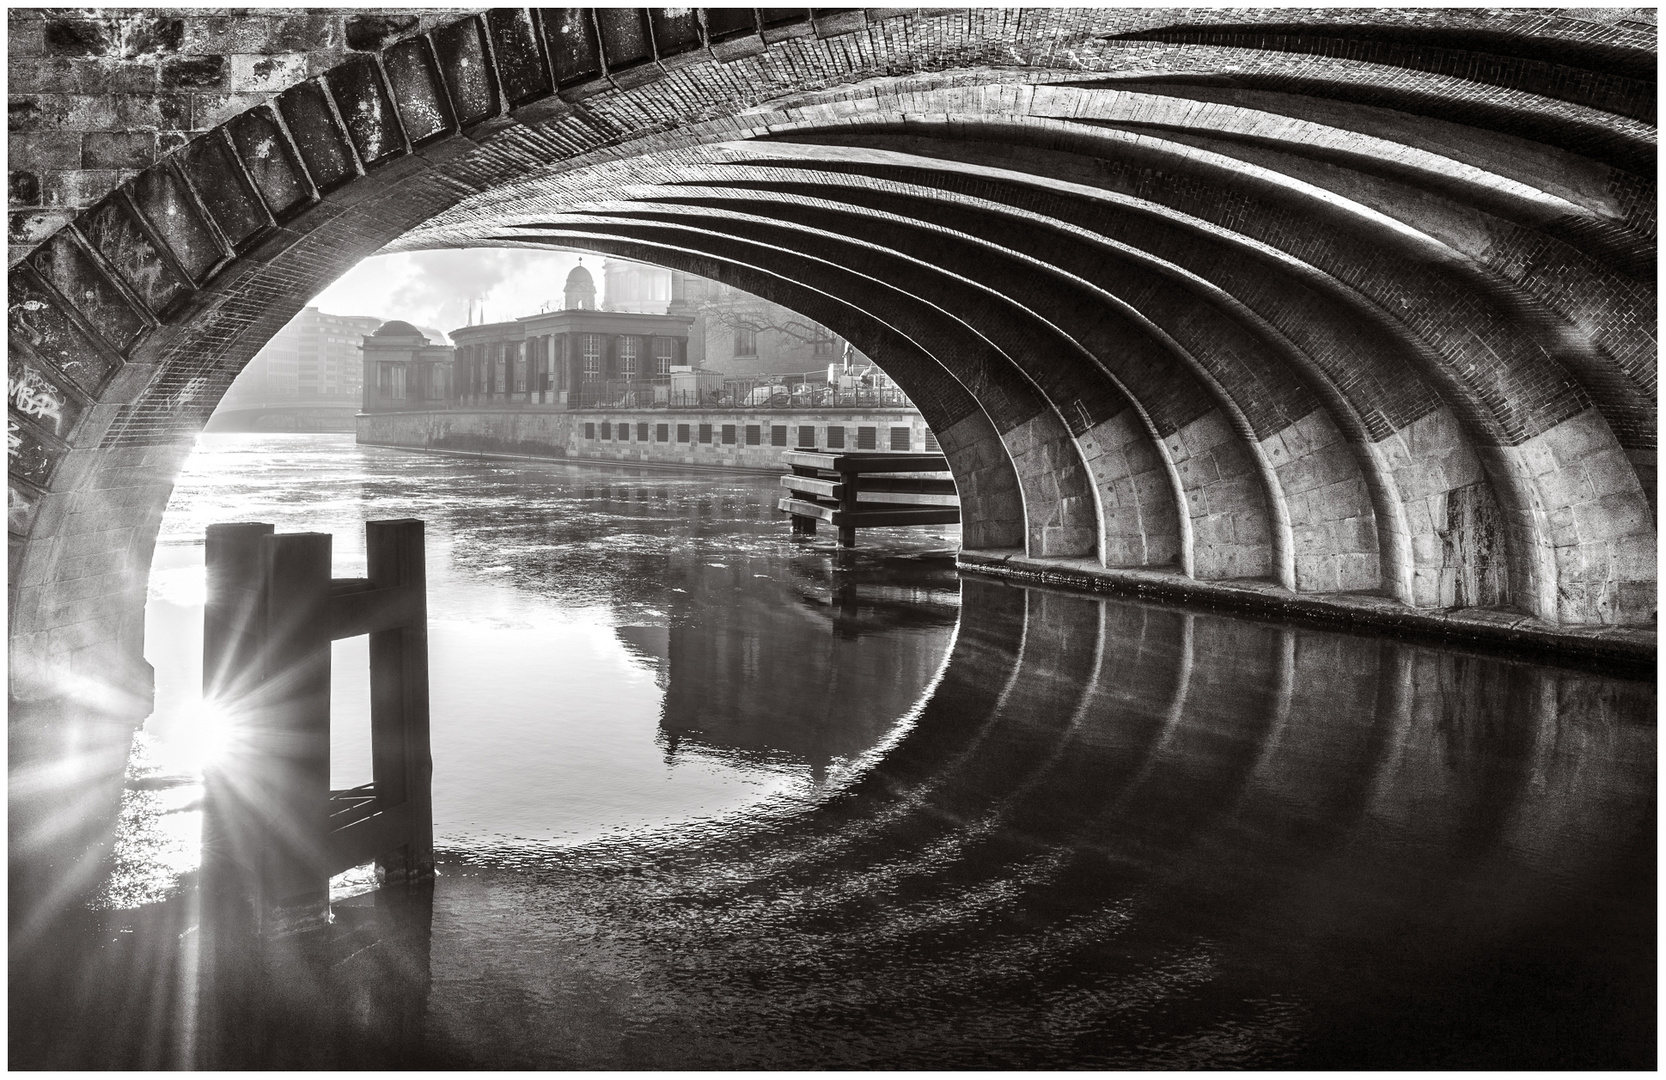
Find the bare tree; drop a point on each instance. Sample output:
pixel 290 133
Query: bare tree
pixel 759 315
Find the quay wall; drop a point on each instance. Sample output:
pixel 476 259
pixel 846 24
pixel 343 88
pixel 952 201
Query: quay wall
pixel 673 437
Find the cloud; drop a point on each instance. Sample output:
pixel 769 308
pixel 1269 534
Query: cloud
pixel 433 288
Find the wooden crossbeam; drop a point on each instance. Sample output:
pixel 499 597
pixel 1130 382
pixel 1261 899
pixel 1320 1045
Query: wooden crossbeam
pixel 866 461
pixel 890 491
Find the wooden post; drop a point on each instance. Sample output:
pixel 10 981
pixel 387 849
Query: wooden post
pixel 291 722
pixel 847 503
pixel 401 762
pixel 230 632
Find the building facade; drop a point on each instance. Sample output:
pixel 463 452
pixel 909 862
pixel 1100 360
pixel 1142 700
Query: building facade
pixel 404 370
pixel 578 357
pixel 316 357
pixel 733 332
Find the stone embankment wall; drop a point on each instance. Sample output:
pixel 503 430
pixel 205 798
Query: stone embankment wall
pixel 714 438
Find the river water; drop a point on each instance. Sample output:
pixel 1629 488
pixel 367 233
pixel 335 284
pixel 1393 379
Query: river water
pixel 710 796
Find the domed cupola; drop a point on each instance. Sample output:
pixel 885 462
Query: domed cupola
pixel 581 289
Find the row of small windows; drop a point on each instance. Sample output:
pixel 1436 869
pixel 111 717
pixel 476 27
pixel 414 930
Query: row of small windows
pixel 867 438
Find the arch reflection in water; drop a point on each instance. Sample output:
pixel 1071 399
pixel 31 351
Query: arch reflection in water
pixel 1119 835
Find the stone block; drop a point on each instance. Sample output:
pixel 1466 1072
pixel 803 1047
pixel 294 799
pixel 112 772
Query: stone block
pixel 240 33
pixel 318 139
pixel 45 151
pixel 113 229
pixel 461 52
pixel 193 73
pixel 1354 535
pixel 270 161
pixel 1316 574
pixel 1199 471
pixel 625 38
pixel 25 38
pixel 117 149
pixel 23 188
pixel 366 110
pixel 676 31
pixel 414 76
pixel 574 49
pixel 725 24
pixel 36 319
pixel 370 32
pixel 266 73
pixel 64 263
pixel 1358 572
pixel 319 31
pixel 1609 471
pixel 165 203
pixel 216 174
pixel 155 112
pixel 1612 516
pixel 521 67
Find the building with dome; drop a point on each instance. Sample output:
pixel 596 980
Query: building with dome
pixel 577 357
pixel 405 369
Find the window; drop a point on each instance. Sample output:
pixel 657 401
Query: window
pixel 825 343
pixel 728 434
pixel 589 431
pixel 682 433
pixel 642 433
pixel 662 433
pixel 931 442
pixel 665 354
pixel 607 430
pixel 778 435
pixel 900 439
pixel 705 433
pixel 592 356
pixel 746 342
pixel 627 357
pixel 867 438
pixel 835 438
pixel 807 435
pixel 754 435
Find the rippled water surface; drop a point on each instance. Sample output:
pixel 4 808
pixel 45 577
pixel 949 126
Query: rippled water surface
pixel 708 796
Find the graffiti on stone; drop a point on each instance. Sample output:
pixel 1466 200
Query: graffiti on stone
pixel 38 322
pixel 31 395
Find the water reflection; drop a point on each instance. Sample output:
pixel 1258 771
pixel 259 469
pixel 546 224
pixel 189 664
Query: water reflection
pixel 1111 835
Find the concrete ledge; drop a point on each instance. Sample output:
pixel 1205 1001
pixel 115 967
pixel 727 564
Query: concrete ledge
pixel 1627 651
pixel 573 459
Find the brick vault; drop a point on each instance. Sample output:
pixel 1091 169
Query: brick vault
pixel 1354 302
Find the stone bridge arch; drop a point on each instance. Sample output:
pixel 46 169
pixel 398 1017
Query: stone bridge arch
pixel 1345 301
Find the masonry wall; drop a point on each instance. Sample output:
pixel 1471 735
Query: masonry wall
pixel 97 94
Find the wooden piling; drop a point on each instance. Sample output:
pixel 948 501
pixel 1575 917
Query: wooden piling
pixel 271 613
pixel 401 760
pixel 292 720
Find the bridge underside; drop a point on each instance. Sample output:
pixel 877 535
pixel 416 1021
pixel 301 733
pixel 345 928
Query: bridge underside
pixel 1360 304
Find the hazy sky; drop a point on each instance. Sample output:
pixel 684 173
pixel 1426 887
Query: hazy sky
pixel 432 288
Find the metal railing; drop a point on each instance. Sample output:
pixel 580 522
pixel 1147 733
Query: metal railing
pixel 762 392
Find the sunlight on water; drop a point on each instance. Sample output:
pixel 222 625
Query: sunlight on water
pixel 561 599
